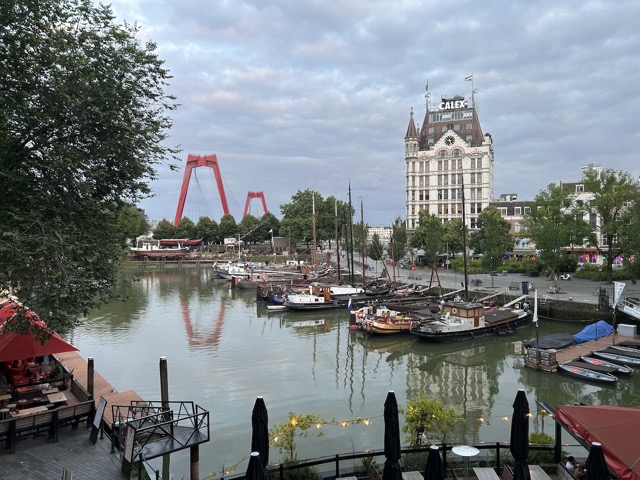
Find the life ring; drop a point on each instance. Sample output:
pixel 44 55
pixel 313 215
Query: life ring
pixel 454 310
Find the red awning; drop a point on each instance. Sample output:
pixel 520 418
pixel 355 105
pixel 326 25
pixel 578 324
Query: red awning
pixel 616 428
pixel 14 346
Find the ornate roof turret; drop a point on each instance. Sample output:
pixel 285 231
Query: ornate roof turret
pixel 412 132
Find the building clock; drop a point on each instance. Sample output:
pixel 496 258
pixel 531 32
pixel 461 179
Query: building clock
pixel 449 140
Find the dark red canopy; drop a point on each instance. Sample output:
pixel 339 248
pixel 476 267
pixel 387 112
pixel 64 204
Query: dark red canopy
pixel 616 428
pixel 14 346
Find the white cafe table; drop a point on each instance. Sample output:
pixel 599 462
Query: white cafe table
pixel 465 451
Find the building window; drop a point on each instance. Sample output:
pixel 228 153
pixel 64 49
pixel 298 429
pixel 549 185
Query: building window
pixel 444 129
pixel 478 163
pixel 468 126
pixel 446 164
pixel 517 210
pixel 432 129
pixel 473 163
pixel 579 188
pixel 503 211
pixel 517 228
pixel 456 127
pixel 443 153
pixel 456 153
pixel 459 164
pixel 527 210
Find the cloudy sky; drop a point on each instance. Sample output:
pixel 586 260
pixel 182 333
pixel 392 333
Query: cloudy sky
pixel 311 94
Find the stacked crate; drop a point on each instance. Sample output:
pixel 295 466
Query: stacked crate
pixel 547 358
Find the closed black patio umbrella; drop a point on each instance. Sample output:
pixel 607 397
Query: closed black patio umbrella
pixel 596 465
pixel 255 470
pixel 392 470
pixel 434 470
pixel 260 431
pixel 519 442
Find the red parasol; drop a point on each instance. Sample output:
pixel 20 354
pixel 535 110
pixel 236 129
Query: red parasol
pixel 16 346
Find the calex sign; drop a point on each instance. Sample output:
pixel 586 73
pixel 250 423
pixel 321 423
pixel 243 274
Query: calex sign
pixel 453 104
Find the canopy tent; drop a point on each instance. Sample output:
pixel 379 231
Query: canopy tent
pixel 16 346
pixel 615 428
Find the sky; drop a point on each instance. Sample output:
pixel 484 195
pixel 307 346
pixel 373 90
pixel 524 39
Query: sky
pixel 309 94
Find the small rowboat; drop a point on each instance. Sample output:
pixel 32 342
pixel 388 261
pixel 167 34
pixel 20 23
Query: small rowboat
pixel 621 369
pixel 618 358
pixel 629 351
pixel 586 374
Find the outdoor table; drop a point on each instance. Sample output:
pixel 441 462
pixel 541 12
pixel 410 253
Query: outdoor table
pixel 465 451
pixel 57 397
pixel 537 473
pixel 27 411
pixel 4 399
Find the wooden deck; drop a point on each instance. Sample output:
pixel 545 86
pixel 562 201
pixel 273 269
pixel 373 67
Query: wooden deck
pixel 574 352
pixel 101 387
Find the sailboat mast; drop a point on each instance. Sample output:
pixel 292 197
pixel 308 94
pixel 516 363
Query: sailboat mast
pixel 315 247
pixel 362 235
pixel 337 237
pixel 352 271
pixel 464 248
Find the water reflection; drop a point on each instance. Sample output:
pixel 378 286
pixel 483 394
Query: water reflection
pixel 223 350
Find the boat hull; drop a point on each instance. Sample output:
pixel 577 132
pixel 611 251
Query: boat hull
pixel 587 375
pixel 470 334
pixel 620 369
pixel 614 357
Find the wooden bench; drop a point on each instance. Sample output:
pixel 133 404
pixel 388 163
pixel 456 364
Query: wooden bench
pixel 507 473
pixel 485 473
pixel 73 414
pixel 30 424
pixel 537 473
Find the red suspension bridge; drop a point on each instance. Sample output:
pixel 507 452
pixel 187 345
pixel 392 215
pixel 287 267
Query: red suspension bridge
pixel 210 161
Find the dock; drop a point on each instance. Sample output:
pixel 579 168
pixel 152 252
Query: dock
pixel 574 352
pixel 73 362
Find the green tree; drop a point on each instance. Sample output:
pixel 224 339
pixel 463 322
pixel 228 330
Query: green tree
pixel 208 230
pixel 248 228
pixel 428 422
pixel 228 227
pixel 492 239
pixel 555 223
pixel 398 247
pixel 268 221
pixel 186 228
pixel 164 229
pixel 630 241
pixel 375 248
pixel 428 236
pixel 613 192
pixel 133 222
pixel 83 125
pixel 452 236
pixel 283 435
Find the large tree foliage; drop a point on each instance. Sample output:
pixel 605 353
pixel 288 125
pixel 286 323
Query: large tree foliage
pixel 492 239
pixel 208 230
pixel 630 241
pixel 428 237
pixel 452 236
pixel 398 246
pixel 83 122
pixel 133 222
pixel 298 216
pixel 613 192
pixel 555 223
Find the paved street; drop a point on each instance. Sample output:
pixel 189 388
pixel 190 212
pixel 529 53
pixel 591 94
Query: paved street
pixel 577 290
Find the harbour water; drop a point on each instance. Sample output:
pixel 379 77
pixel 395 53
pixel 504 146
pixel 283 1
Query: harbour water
pixel 223 349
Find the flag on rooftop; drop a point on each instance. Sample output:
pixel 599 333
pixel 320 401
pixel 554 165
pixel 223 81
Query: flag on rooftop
pixel 469 78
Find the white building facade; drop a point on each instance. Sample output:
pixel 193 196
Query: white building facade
pixel 447 152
